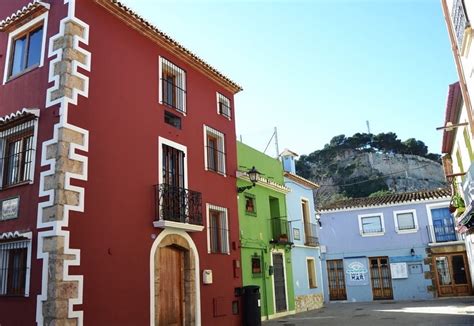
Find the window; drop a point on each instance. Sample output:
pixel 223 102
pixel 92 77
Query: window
pixel 14 268
pixel 311 273
pixel 218 232
pixel 215 150
pixel 172 90
pixel 371 224
pixel 250 207
pixel 26 49
pixel 256 264
pixel 18 148
pixel 172 120
pixel 223 106
pixel 405 221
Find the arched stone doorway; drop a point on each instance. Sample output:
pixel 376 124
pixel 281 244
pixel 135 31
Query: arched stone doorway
pixel 175 289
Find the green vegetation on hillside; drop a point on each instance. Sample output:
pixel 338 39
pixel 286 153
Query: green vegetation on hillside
pixel 354 177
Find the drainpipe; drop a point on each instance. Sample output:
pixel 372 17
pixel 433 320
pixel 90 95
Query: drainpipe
pixel 457 60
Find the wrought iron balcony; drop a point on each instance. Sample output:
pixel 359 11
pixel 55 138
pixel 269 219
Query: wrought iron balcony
pixel 460 21
pixel 310 235
pixel 280 230
pixel 176 204
pixel 443 233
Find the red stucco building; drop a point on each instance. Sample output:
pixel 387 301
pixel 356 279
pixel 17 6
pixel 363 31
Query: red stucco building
pixel 118 192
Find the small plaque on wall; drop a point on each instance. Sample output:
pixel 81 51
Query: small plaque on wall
pixel 296 234
pixel 10 208
pixel 399 270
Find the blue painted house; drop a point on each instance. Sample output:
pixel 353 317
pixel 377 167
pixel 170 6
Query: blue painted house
pixel 400 247
pixel 306 260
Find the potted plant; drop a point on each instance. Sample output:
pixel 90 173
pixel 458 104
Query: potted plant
pixel 456 203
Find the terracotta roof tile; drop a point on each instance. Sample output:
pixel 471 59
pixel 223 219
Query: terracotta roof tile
pixel 129 13
pixel 406 197
pixel 19 14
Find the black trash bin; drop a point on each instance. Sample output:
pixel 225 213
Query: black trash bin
pixel 251 306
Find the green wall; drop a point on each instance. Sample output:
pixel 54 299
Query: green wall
pixel 256 229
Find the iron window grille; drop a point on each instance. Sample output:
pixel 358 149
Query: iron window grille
pixel 223 106
pixel 371 224
pixel 218 230
pixel 173 85
pixel 13 268
pixel 311 238
pixel 178 204
pixel 17 146
pixel 442 233
pixel 460 21
pixel 215 151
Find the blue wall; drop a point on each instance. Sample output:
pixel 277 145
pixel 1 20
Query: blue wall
pixel 300 252
pixel 340 234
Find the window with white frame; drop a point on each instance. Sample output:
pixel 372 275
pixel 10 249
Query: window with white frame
pixel 172 91
pixel 15 268
pixel 311 273
pixel 371 224
pixel 17 146
pixel 405 221
pixel 223 106
pixel 26 45
pixel 217 230
pixel 214 150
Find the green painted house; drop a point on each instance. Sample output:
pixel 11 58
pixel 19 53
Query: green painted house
pixel 264 232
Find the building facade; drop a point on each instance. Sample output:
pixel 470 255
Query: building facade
pixel 306 261
pixel 113 211
pixel 458 128
pixel 265 238
pixel 393 247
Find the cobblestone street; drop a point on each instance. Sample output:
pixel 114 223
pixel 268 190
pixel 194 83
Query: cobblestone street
pixel 452 311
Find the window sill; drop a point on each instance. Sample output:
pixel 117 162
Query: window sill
pixel 164 224
pixel 24 72
pixel 216 172
pixel 378 234
pixel 251 214
pixel 173 108
pixel 407 231
pixel 19 184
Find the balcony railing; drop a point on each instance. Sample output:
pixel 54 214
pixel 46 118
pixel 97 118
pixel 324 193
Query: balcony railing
pixel 280 230
pixel 178 204
pixel 310 235
pixel 459 21
pixel 441 233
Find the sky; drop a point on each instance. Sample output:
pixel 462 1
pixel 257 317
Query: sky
pixel 317 69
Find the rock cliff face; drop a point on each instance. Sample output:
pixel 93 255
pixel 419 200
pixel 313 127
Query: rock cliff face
pixel 350 173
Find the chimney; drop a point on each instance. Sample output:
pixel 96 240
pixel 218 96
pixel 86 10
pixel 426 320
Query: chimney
pixel 288 160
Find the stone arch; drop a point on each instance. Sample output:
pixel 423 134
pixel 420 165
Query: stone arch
pixel 181 241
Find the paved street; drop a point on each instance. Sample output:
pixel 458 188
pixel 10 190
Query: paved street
pixel 455 311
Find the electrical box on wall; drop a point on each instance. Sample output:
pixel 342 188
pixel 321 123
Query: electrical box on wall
pixel 207 276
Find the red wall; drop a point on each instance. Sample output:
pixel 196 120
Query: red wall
pixel 26 91
pixel 124 118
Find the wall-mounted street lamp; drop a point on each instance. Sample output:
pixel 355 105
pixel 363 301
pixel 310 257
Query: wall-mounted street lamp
pixel 412 252
pixel 254 175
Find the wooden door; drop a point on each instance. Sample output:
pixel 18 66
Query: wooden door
pixel 336 280
pixel 381 278
pixel 279 283
pixel 452 275
pixel 171 292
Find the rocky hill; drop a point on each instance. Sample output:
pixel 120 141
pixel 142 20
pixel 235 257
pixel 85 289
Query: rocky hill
pixel 345 172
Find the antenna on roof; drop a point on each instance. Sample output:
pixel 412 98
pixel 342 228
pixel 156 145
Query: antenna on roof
pixel 275 134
